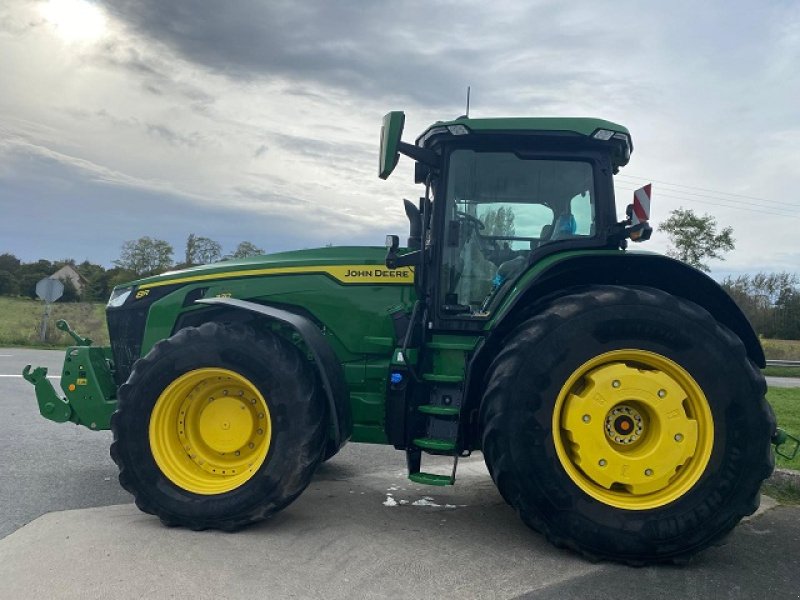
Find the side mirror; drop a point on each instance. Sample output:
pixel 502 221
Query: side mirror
pixel 394 261
pixel 391 132
pixel 392 243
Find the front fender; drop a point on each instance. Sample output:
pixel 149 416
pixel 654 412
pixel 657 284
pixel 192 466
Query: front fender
pixel 330 370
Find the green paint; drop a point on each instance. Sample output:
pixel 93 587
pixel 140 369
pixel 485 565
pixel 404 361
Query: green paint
pixel 430 479
pixel 435 445
pixel 533 272
pixel 444 411
pixel 578 126
pixel 88 384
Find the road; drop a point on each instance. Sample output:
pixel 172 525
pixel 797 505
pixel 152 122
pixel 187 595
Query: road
pixel 360 530
pixel 783 382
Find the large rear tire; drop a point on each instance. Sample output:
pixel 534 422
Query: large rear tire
pixel 218 427
pixel 627 424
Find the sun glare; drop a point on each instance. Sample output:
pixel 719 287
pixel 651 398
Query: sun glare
pixel 75 20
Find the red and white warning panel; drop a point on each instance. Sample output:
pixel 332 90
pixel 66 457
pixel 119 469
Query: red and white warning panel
pixel 641 205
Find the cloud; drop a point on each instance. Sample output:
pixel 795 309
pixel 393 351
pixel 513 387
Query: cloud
pixel 260 118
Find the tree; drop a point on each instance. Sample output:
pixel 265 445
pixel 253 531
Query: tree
pixel 201 250
pixel 145 256
pixel 9 263
pixel 498 221
pixel 245 249
pixel 8 284
pixel 29 274
pixel 695 238
pixel 771 302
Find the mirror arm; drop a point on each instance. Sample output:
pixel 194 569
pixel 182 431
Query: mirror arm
pixel 423 155
pixel 397 261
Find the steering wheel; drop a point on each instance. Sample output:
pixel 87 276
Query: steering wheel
pixel 474 220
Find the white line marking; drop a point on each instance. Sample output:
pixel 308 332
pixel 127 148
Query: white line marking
pixel 6 355
pixel 20 376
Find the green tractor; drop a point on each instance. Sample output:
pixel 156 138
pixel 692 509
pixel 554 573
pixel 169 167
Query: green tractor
pixel 616 395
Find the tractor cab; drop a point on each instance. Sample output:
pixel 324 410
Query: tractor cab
pixel 500 195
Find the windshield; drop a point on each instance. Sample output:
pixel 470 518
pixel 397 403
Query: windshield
pixel 500 207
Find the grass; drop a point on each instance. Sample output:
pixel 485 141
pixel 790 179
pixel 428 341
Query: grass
pixel 785 493
pixel 781 349
pixel 21 319
pixel 786 404
pixel 782 372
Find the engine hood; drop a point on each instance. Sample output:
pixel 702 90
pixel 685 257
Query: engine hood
pixel 333 260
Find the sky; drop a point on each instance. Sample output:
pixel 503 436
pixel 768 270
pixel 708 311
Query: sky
pixel 260 121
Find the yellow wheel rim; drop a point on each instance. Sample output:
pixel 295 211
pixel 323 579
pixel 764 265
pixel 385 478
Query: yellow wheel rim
pixel 633 429
pixel 210 431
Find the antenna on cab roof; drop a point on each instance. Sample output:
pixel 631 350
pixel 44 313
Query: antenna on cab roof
pixel 467 113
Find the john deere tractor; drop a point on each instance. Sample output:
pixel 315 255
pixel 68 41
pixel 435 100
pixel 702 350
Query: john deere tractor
pixel 616 395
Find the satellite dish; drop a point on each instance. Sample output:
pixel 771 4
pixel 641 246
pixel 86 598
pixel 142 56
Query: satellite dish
pixel 49 289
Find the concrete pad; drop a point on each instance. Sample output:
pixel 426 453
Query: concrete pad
pixel 376 536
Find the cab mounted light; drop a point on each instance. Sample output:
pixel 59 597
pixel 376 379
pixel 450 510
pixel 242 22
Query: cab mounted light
pixel 458 129
pixel 603 134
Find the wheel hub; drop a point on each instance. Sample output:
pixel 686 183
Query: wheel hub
pixel 624 425
pixel 210 431
pixel 633 429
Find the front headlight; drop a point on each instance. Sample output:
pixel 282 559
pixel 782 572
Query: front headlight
pixel 118 297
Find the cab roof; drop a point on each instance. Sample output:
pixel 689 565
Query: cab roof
pixel 588 127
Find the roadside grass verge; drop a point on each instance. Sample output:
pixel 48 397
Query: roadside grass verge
pixel 782 372
pixel 781 349
pixel 21 318
pixel 783 492
pixel 786 404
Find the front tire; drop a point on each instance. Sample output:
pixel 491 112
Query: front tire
pixel 627 424
pixel 218 427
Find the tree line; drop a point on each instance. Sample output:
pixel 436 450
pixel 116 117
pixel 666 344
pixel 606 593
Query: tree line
pixel 770 300
pixel 138 258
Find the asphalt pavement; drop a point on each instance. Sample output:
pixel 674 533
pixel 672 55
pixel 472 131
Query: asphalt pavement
pixel 361 530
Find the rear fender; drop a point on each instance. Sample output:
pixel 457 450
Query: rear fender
pixel 618 268
pixel 631 269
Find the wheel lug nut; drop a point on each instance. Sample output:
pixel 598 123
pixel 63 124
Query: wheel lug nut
pixel 678 437
pixel 252 401
pixel 260 415
pixel 260 432
pixel 211 399
pixel 224 392
pixel 586 418
pixel 237 453
pixel 615 383
pixel 662 393
pixel 251 445
pixel 648 472
pixel 602 462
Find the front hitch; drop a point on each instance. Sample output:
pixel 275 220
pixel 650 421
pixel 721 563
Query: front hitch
pixel 64 326
pixel 51 405
pixel 782 438
pixel 87 379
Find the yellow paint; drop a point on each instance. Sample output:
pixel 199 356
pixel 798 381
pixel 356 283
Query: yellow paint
pixel 210 431
pixel 672 419
pixel 142 293
pixel 347 274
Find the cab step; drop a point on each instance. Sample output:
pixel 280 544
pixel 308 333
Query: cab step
pixel 414 461
pixel 440 378
pixel 434 444
pixel 431 479
pixel 441 411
